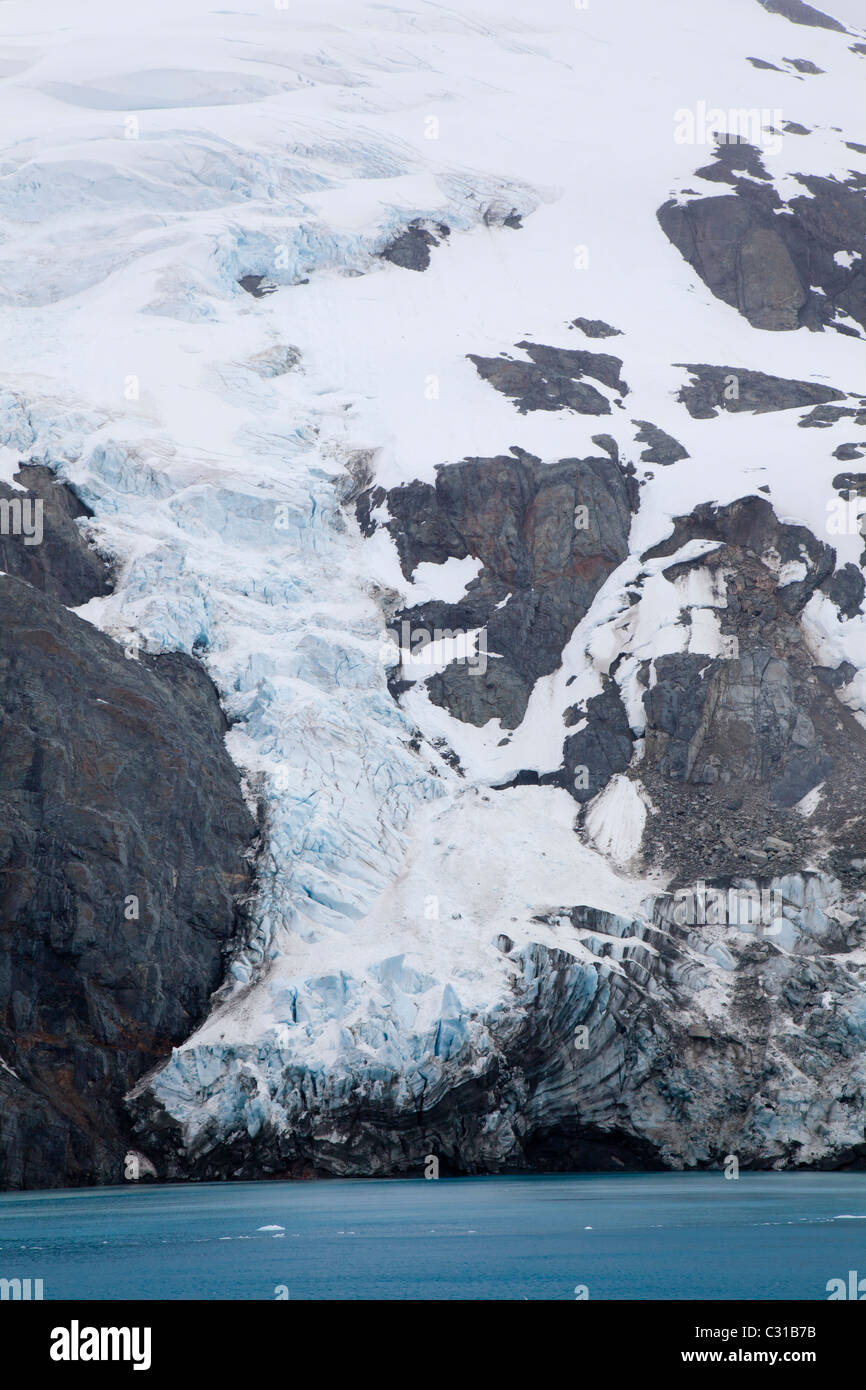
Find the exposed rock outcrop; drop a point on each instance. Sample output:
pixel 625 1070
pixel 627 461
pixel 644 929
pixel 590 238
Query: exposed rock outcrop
pixel 257 285
pixel 57 563
pixel 121 859
pixel 800 13
pixel 782 272
pixel 411 248
pixel 601 748
pixel 548 535
pixel 735 742
pixel 596 328
pixel 735 388
pixel 553 378
pixel 662 448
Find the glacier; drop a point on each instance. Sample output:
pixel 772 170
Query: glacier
pixel 416 915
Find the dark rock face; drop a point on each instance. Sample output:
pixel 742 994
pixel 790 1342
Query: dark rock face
pixel 800 13
pixel 846 589
pixel 850 484
pixel 677 713
pixel 548 535
pixel 835 677
pixel 602 748
pixel 768 258
pixel 59 565
pixel 121 862
pixel 741 721
pixel 257 285
pixel 576 363
pixel 553 378
pixel 411 249
pixel 596 328
pixel 609 444
pixel 823 417
pixel 735 388
pixel 732 158
pixel 748 735
pixel 805 66
pixel 751 524
pixel 662 448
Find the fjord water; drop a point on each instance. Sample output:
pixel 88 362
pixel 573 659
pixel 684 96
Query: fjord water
pixel 624 1236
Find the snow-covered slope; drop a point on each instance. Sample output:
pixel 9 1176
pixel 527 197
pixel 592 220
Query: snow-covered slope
pixel 413 908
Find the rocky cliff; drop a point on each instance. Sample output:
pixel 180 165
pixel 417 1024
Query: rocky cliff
pixel 122 868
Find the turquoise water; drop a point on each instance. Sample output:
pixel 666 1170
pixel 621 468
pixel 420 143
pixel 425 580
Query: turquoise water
pixel 659 1235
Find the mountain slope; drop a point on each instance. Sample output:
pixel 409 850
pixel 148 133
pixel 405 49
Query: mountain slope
pixel 489 433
